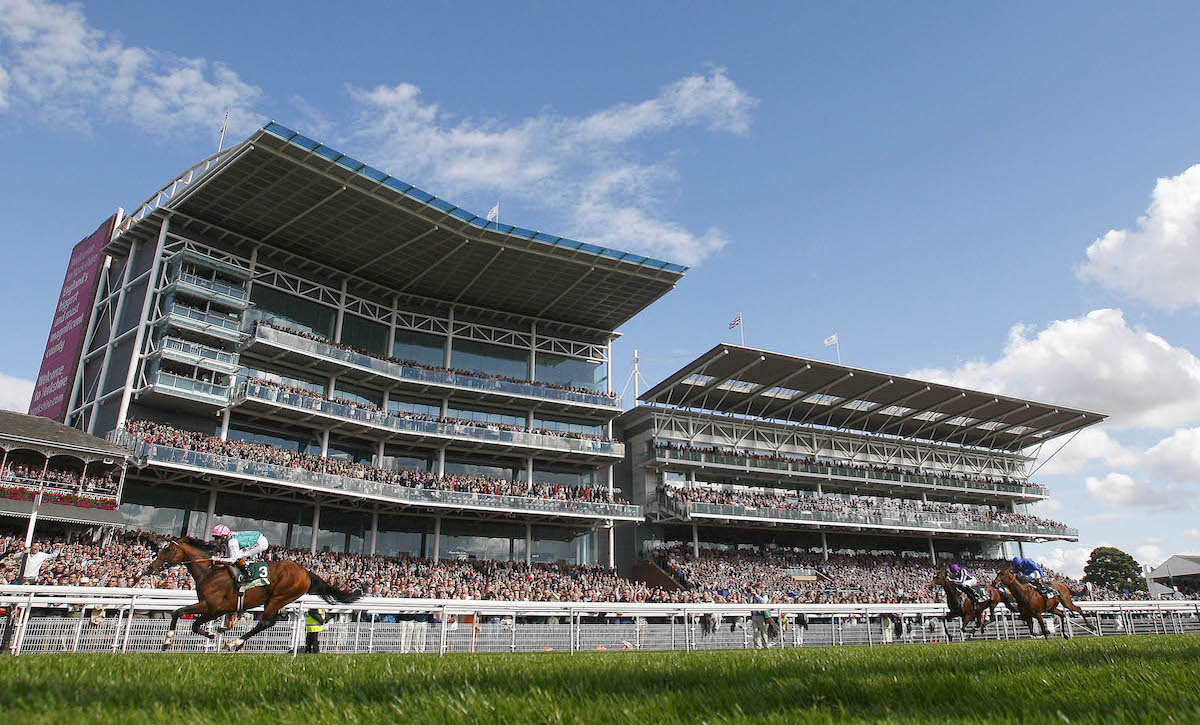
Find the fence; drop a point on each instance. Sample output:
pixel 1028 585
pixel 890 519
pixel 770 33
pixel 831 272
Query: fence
pixel 79 619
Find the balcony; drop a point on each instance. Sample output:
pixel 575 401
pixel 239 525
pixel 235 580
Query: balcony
pixel 221 327
pixel 197 391
pixel 226 295
pixel 358 488
pixel 252 397
pixel 202 356
pixel 74 488
pixel 357 367
pixel 797 469
pixel 929 523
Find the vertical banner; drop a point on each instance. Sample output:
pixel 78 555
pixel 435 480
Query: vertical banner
pixel 67 329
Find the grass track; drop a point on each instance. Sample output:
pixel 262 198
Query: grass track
pixel 1144 679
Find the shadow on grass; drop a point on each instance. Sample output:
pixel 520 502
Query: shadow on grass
pixel 1130 679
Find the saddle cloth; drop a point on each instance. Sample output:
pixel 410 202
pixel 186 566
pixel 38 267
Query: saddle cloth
pixel 258 576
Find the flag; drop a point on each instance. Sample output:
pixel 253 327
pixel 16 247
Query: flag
pixel 494 213
pixel 831 340
pixel 737 321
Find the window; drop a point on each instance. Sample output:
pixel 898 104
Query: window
pixel 365 334
pixel 291 312
pixel 569 372
pixel 497 360
pixel 420 347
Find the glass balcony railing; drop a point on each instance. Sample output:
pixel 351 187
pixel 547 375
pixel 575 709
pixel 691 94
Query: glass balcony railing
pixel 943 522
pixel 826 472
pixel 431 377
pixel 236 293
pixel 190 388
pixel 356 486
pixel 195 319
pixel 376 419
pixel 184 349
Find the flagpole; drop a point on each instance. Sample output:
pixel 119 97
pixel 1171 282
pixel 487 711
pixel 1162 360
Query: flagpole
pixel 838 347
pixel 225 125
pixel 742 328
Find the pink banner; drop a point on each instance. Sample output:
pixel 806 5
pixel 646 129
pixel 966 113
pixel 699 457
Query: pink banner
pixel 75 301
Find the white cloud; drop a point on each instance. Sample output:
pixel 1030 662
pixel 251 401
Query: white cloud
pixel 1149 552
pixel 1159 260
pixel 1046 508
pixel 15 393
pixel 1068 560
pixel 1095 362
pixel 1089 446
pixel 586 168
pixel 1121 490
pixel 60 70
pixel 1177 457
pixel 1192 533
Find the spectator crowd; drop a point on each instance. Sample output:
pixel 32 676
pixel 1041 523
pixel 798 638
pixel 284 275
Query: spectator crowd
pixel 377 410
pixel 164 435
pixel 867 468
pixel 57 478
pixel 910 509
pixel 724 576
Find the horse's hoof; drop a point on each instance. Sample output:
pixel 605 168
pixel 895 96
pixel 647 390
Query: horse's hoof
pixel 235 644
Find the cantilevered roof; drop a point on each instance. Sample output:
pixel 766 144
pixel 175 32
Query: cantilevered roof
pixel 760 384
pixel 315 208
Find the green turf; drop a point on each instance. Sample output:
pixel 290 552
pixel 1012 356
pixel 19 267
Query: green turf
pixel 1151 679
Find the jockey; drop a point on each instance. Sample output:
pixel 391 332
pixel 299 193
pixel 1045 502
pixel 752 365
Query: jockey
pixel 963 579
pixel 238 547
pixel 1027 570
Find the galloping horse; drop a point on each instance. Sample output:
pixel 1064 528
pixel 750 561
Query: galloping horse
pixel 964 607
pixel 1032 604
pixel 218 594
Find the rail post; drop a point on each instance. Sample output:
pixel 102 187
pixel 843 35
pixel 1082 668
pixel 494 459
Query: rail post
pixel 442 644
pixel 475 626
pixel 571 625
pixel 513 643
pixel 22 625
pixel 870 639
pixel 129 624
pixel 79 628
pixel 117 632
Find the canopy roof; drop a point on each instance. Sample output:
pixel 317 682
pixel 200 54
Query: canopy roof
pixel 769 385
pixel 312 207
pixel 18 430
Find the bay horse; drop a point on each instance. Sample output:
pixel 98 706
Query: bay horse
pixel 218 594
pixel 1032 603
pixel 965 607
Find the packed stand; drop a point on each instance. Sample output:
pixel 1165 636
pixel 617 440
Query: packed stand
pixel 56 478
pixel 359 404
pixel 1012 483
pixel 164 435
pixel 736 575
pixel 432 368
pixel 893 508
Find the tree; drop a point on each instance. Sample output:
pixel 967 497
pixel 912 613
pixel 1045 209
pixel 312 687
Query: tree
pixel 1112 568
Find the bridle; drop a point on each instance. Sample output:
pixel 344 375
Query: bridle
pixel 186 562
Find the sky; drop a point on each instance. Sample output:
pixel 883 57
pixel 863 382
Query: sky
pixel 1005 198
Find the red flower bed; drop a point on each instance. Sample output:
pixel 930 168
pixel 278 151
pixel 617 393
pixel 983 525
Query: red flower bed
pixel 56 497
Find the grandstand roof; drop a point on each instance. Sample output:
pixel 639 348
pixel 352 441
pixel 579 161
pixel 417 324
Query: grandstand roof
pixel 320 210
pixel 760 384
pixel 19 430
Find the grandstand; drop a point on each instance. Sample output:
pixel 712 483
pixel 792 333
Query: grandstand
pixel 802 468
pixel 290 340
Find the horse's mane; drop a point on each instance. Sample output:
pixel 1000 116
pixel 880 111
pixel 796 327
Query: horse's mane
pixel 206 546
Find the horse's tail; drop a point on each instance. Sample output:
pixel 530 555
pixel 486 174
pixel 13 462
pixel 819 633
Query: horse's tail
pixel 329 592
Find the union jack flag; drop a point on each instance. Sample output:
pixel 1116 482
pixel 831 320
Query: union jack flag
pixel 737 321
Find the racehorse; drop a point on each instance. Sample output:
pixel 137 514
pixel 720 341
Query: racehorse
pixel 1032 603
pixel 218 592
pixel 966 608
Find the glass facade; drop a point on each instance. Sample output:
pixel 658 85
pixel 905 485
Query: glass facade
pixel 569 371
pixel 482 357
pixel 365 334
pixel 564 427
pixel 486 416
pixel 147 507
pixel 420 347
pixel 294 313
pixel 470 466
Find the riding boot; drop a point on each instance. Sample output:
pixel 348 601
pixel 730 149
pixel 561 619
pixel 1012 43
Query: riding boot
pixel 240 569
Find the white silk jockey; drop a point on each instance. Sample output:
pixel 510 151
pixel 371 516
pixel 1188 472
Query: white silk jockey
pixel 239 546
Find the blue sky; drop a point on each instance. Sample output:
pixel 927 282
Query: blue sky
pixel 997 197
